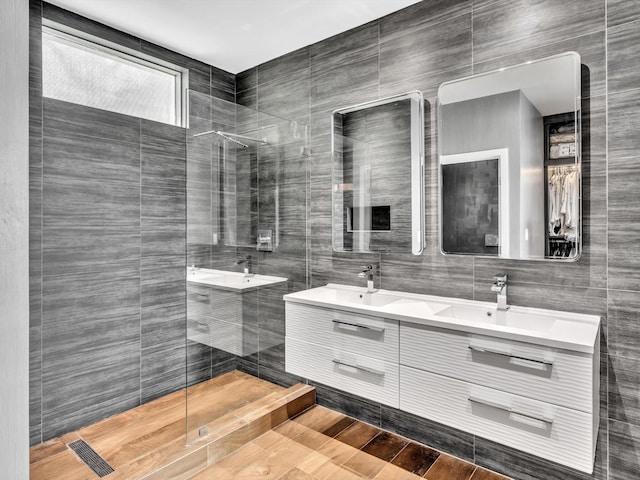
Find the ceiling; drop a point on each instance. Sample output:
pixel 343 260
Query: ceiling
pixel 233 34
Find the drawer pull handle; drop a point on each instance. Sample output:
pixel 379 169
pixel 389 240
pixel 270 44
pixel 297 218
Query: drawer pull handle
pixel 358 367
pixel 358 325
pixel 505 354
pixel 487 403
pixel 202 296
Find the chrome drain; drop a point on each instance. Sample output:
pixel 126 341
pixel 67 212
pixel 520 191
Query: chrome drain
pixel 89 456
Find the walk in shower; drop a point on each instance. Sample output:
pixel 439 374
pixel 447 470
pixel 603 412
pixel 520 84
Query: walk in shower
pixel 246 247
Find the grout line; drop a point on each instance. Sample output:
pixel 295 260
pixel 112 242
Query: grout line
pixel 140 259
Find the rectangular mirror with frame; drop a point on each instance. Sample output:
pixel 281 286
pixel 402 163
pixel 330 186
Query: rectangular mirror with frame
pixel 378 176
pixel 509 162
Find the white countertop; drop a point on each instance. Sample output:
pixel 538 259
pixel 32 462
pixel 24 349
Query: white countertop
pixel 231 281
pixel 565 330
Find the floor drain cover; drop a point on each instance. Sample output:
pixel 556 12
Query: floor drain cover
pixel 89 456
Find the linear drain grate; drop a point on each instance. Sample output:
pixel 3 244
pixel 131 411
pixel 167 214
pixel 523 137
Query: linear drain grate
pixel 89 456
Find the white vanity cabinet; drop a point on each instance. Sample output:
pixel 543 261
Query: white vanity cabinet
pixel 526 378
pixel 350 352
pixel 541 400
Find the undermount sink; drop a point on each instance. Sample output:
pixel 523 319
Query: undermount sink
pixel 374 299
pixel 496 317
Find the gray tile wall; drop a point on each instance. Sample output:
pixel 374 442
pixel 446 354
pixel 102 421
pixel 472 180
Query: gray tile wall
pixel 107 247
pixel 436 41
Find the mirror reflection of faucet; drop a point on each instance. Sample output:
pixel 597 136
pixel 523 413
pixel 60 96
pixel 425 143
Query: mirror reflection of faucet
pixel 368 273
pixel 247 265
pixel 193 269
pixel 500 287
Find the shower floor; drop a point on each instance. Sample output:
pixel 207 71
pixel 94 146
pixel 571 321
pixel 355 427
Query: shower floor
pixel 256 430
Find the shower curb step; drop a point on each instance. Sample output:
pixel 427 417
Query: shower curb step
pixel 226 436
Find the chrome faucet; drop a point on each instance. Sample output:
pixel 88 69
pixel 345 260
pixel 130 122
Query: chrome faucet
pixel 247 264
pixel 193 269
pixel 500 287
pixel 368 273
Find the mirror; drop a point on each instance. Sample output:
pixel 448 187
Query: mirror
pixel 378 176
pixel 509 161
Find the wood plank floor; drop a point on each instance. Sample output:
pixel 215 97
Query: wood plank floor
pixel 321 444
pixel 251 436
pixel 139 441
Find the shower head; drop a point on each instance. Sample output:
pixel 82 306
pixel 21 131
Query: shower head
pixel 232 137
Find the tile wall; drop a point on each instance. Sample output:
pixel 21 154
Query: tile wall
pixel 439 40
pixel 107 247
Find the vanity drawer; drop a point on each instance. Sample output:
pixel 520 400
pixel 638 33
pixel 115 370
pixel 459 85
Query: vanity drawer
pixel 371 336
pixel 542 373
pixel 549 431
pixel 364 376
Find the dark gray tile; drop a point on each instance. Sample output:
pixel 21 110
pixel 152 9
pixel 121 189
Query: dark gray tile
pixel 287 97
pixel 623 59
pixel 278 377
pixel 248 98
pixel 91 347
pixel 623 318
pixel 162 370
pixel 590 47
pixel 271 354
pixel 422 15
pixel 246 80
pixel 351 405
pixel 622 11
pixel 624 451
pixel 227 366
pixel 342 268
pixel 565 298
pixel 162 155
pixel 430 273
pixel 294 64
pixel 73 20
pixel 198 362
pixel 624 123
pixel 77 122
pixel 159 241
pixel 410 58
pixel 504 27
pixel 624 218
pixel 441 437
pixel 223 84
pixel 80 249
pixel 624 396
pixel 162 206
pixel 524 466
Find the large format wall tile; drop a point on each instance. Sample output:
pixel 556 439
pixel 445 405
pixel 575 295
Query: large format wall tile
pixel 624 442
pixel 413 56
pixel 507 26
pixel 624 223
pixel 622 11
pixel 624 323
pixel 623 57
pixel 624 397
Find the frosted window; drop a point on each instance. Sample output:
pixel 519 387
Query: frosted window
pixel 96 77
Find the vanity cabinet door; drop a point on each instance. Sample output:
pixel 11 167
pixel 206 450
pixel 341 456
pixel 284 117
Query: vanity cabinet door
pixel 361 375
pixel 549 431
pixel 542 373
pixel 373 337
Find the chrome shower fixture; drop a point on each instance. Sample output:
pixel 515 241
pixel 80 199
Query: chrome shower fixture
pixel 233 136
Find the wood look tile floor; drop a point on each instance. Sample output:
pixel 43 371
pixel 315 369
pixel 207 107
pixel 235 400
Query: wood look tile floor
pixel 321 444
pixel 254 437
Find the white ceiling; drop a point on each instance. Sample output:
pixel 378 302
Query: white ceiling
pixel 233 34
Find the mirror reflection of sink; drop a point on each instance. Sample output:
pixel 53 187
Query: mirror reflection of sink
pixel 376 299
pixel 492 316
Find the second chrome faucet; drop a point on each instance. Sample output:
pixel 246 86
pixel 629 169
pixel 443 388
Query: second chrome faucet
pixel 369 273
pixel 500 287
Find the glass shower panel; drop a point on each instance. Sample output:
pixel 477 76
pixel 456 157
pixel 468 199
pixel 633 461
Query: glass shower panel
pixel 243 169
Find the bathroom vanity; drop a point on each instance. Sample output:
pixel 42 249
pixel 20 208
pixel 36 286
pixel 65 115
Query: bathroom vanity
pixel 527 378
